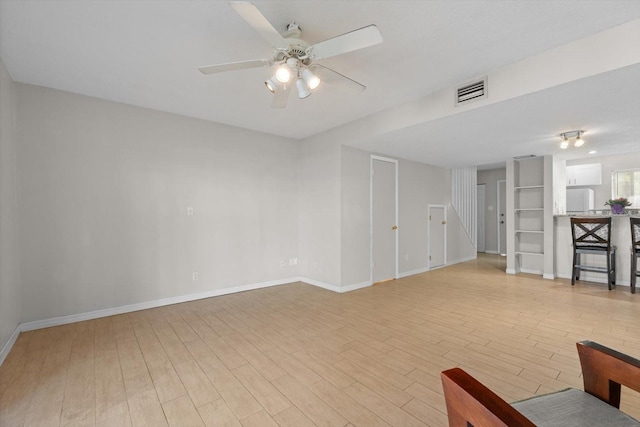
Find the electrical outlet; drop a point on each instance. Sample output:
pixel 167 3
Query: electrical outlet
pixel 282 263
pixel 195 276
pixel 190 210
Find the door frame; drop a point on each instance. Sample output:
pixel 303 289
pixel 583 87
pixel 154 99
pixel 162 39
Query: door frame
pixel 498 213
pixel 444 209
pixel 481 210
pixel 395 202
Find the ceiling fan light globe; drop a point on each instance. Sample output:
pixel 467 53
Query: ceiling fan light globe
pixel 303 90
pixel 283 74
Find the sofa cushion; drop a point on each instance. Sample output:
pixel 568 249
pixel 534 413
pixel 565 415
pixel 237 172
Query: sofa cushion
pixel 572 407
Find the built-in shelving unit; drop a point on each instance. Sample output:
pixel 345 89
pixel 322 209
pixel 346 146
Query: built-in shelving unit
pixel 535 192
pixel 528 214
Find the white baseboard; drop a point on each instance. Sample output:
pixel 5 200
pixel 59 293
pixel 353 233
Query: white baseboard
pixel 510 271
pixel 548 276
pixel 354 286
pixel 80 317
pixel 412 272
pixel 492 252
pixel 323 285
pixel 458 261
pixel 9 345
pixel 588 278
pixel 56 321
pixel 334 288
pixel 530 271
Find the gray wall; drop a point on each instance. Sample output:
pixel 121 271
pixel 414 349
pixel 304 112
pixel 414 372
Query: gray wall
pixel 419 185
pixel 104 189
pixel 9 265
pixel 490 178
pixel 355 216
pixel 602 192
pixel 320 211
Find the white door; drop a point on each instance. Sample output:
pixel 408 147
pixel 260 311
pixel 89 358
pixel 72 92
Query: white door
pixel 437 236
pixel 480 221
pixel 502 217
pixel 383 219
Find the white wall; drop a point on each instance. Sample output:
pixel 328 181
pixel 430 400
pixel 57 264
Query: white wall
pixel 490 178
pixel 602 192
pixel 104 189
pixel 9 270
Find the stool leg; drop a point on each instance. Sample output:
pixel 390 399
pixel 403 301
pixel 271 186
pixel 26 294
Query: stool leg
pixel 609 269
pixel 613 268
pixel 574 269
pixel 634 272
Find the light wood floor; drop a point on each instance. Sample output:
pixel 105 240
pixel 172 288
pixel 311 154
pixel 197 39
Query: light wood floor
pixel 297 355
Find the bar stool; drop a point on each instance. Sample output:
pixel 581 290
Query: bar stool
pixel 593 236
pixel 635 252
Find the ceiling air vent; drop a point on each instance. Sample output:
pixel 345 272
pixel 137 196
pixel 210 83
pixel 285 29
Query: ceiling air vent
pixel 471 92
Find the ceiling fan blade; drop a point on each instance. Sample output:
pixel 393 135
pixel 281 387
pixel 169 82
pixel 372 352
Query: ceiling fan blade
pixel 333 78
pixel 281 96
pixel 256 19
pixel 230 66
pixel 354 40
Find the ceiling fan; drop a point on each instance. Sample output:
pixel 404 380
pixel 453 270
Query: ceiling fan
pixel 295 57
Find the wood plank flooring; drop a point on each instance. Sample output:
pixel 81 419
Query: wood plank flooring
pixel 297 355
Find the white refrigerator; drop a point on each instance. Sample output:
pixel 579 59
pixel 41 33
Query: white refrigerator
pixel 579 200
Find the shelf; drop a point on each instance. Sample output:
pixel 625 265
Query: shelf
pixel 529 187
pixel 530 231
pixel 530 253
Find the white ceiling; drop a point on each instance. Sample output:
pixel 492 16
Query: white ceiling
pixel 145 53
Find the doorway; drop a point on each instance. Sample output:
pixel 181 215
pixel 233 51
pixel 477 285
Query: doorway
pixel 502 217
pixel 384 219
pixel 437 246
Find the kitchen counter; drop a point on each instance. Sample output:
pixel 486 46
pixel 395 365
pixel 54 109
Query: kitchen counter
pixel 620 237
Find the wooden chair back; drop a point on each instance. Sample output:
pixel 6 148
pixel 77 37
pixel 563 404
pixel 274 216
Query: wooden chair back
pixel 591 233
pixel 635 234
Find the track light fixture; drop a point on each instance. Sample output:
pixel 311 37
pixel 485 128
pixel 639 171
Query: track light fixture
pixel 577 134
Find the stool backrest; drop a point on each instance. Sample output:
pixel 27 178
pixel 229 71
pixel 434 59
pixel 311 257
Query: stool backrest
pixel 593 233
pixel 635 233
